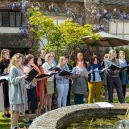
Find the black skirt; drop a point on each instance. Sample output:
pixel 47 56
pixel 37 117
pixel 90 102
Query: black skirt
pixel 32 99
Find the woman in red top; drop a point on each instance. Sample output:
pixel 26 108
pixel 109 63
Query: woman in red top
pixel 41 89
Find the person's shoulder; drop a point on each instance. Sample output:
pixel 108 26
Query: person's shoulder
pixel 106 61
pixel 13 68
pixel 74 68
pixel 45 63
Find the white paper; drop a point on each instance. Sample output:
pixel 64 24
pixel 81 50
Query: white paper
pixel 4 77
pixel 104 104
pixel 103 69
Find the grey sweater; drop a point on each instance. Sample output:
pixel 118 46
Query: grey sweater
pixel 110 72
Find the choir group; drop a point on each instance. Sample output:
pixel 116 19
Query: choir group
pixel 20 96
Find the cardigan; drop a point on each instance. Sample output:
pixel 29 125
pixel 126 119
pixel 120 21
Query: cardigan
pixel 15 91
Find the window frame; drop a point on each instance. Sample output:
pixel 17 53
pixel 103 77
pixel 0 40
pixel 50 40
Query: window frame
pixel 122 34
pixel 9 10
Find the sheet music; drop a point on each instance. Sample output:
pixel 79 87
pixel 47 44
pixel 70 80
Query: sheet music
pixel 104 104
pixel 4 77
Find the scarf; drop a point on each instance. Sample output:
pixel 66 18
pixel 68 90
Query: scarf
pixel 66 67
pixel 93 67
pixel 6 59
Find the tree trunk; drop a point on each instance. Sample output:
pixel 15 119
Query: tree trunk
pixel 87 4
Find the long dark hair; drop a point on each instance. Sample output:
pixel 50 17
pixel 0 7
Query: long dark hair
pixel 35 60
pixel 28 58
pixel 92 59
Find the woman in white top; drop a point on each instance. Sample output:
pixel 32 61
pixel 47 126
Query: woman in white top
pixel 50 81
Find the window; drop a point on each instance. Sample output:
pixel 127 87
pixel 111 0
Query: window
pixel 10 18
pixel 120 29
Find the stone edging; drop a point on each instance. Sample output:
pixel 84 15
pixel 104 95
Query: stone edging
pixel 52 119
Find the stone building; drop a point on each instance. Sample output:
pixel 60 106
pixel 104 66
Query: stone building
pixel 59 10
pixel 11 20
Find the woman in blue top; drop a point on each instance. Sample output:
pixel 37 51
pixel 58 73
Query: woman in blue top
pixel 95 81
pixel 123 73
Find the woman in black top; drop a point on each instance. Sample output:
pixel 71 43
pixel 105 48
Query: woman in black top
pixel 4 62
pixel 80 58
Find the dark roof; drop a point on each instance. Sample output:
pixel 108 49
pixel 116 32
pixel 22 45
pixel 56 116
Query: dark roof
pixel 115 2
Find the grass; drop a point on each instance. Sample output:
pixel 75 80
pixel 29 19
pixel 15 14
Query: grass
pixel 5 123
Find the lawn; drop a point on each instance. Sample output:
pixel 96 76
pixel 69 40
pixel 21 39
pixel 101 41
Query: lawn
pixel 5 123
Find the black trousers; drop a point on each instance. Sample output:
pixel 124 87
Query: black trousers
pixel 124 90
pixel 116 81
pixel 54 94
pixel 5 92
pixel 68 96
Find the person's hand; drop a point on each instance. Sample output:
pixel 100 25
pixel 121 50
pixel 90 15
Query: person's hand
pixel 125 69
pixel 86 77
pixel 116 71
pixel 24 76
pixel 91 71
pixel 5 70
pixel 77 75
pixel 65 77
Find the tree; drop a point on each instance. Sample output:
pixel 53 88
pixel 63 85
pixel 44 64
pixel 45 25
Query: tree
pixel 63 37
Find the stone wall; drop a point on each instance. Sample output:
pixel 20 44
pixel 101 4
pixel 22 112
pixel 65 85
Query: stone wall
pixel 55 118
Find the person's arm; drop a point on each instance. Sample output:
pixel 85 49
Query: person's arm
pixel 57 76
pixel 45 67
pixel 13 76
pixel 74 75
pixel 110 71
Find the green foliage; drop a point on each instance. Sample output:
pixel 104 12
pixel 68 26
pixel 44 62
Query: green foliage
pixel 60 38
pixel 125 49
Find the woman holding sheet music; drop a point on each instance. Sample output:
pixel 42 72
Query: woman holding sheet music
pixel 62 83
pixel 95 81
pixel 113 77
pixel 123 73
pixel 31 89
pixel 4 62
pixel 17 89
pixel 79 86
pixel 41 84
pixel 50 81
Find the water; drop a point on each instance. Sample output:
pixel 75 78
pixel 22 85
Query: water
pixel 93 122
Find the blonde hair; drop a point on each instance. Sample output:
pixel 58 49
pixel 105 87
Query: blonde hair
pixel 60 63
pixel 106 56
pixel 121 52
pixel 47 57
pixel 2 54
pixel 14 60
pixel 115 59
